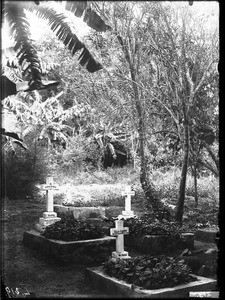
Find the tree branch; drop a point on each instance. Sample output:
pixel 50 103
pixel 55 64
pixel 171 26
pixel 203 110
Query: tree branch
pixel 209 167
pixel 203 77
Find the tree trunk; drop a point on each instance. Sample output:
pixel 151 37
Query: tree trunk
pixel 195 185
pixel 181 195
pixel 150 194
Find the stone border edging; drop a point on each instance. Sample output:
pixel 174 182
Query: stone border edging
pixel 96 277
pixel 68 251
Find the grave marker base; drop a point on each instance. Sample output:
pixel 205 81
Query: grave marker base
pixel 49 214
pixel 48 221
pixel 39 228
pixel 126 215
pixel 122 255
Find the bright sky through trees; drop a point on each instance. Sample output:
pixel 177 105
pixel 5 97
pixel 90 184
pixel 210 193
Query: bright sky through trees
pixel 207 9
pixel 39 26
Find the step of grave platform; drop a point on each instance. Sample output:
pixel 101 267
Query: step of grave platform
pixel 208 235
pixel 93 250
pixel 96 277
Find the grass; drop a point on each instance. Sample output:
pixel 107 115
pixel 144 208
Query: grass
pixel 167 184
pixel 125 175
pixel 105 186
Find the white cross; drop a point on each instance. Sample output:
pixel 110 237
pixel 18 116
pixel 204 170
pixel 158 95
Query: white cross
pixel 128 193
pixel 119 232
pixel 49 187
pixel 49 217
pixel 68 194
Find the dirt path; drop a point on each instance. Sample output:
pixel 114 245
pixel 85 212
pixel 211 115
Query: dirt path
pixel 23 266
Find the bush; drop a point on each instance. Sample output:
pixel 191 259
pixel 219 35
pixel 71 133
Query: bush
pixel 147 226
pixel 150 272
pixel 69 229
pixel 26 168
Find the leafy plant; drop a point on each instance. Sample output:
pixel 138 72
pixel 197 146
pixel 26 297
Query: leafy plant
pixel 69 229
pixel 150 272
pixel 23 169
pixel 146 226
pixel 14 13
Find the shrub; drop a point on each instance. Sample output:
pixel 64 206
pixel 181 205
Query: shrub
pixel 147 226
pixel 69 229
pixel 26 168
pixel 150 272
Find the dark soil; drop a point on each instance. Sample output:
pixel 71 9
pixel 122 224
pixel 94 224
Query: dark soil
pixel 43 276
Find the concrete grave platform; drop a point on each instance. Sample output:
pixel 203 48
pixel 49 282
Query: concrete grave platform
pixel 100 211
pixel 81 213
pixel 115 287
pixel 84 250
pixel 157 244
pixel 207 235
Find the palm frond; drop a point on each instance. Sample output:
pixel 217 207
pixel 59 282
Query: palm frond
pixel 8 148
pixel 92 19
pixel 58 24
pixel 8 87
pixel 20 30
pixel 76 7
pixel 21 144
pixel 10 64
pixel 11 88
pixel 11 134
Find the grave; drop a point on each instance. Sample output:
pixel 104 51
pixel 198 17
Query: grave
pixel 115 287
pixel 127 213
pixel 159 244
pixel 99 279
pixel 49 217
pixel 208 235
pixel 119 232
pixel 74 251
pixel 88 214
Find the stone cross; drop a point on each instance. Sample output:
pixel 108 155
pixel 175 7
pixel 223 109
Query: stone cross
pixel 119 232
pixel 49 187
pixel 127 213
pixel 68 194
pixel 49 217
